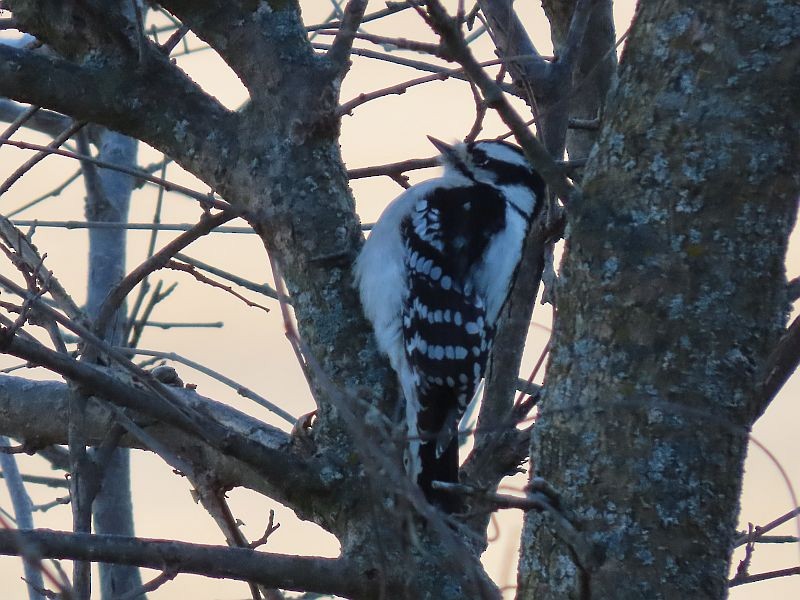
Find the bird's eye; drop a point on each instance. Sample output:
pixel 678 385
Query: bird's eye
pixel 481 160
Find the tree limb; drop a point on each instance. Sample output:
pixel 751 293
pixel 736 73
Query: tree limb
pixel 301 573
pixel 780 365
pixel 290 478
pixel 173 113
pixel 252 38
pixel 339 54
pixel 511 39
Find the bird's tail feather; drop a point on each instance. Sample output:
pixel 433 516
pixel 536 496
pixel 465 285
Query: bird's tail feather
pixel 439 467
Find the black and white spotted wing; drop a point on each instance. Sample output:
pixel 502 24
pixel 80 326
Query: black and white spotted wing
pixel 445 236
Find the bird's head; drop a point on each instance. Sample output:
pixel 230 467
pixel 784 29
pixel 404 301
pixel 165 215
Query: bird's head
pixel 493 162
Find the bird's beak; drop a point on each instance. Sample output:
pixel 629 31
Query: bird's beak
pixel 445 149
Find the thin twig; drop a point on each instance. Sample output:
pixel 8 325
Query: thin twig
pixel 205 199
pixel 777 539
pixel 397 89
pixel 480 113
pixel 144 288
pixel 43 152
pixel 239 388
pixel 744 564
pixel 180 324
pixel 178 266
pixel 151 586
pixel 53 482
pixel 417 65
pixel 758 532
pixel 272 527
pixel 391 8
pixel 174 39
pixel 584 551
pixel 393 169
pixel 124 225
pixel 393 42
pixel 764 576
pixel 400 88
pixel 289 329
pixel 56 191
pixel 156 297
pixel 260 288
pixel 115 297
pixel 34 262
pixel 23 118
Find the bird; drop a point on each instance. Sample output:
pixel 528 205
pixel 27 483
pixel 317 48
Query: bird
pixel 433 276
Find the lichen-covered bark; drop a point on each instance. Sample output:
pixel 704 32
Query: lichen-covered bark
pixel 673 293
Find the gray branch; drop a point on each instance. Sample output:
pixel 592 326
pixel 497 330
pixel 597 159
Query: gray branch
pixel 302 573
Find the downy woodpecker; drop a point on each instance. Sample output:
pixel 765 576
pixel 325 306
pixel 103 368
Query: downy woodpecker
pixel 433 276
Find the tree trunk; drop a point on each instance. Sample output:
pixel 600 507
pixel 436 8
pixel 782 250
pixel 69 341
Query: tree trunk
pixel 673 292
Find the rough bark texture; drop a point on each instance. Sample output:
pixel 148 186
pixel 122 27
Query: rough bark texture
pixel 673 292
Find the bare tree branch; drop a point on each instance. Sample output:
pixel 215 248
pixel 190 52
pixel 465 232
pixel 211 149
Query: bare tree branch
pixel 391 8
pixel 393 170
pixel 23 421
pixel 764 576
pixel 205 199
pixel 159 260
pixel 160 91
pixel 187 268
pixel 339 54
pixel 314 574
pixel 260 288
pixel 780 365
pixel 240 389
pixel 29 255
pixel 577 29
pixel 41 154
pixel 21 118
pixel 128 225
pixel 758 532
pixel 291 479
pixel 511 39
